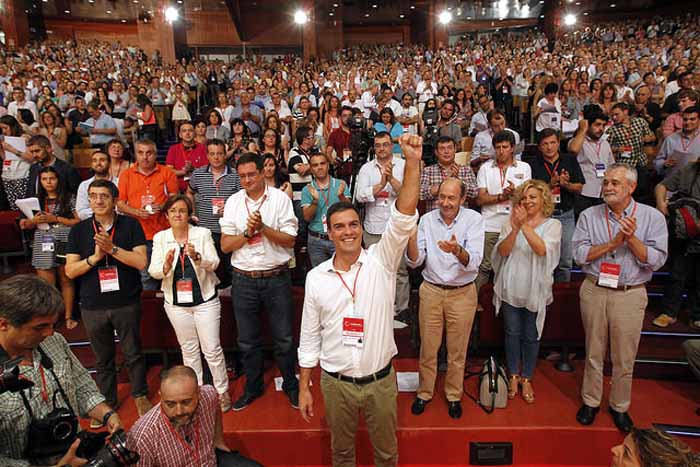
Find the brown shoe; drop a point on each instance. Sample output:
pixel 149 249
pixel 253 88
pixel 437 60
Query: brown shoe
pixel 664 320
pixel 528 390
pixel 143 405
pixel 225 401
pixel 513 383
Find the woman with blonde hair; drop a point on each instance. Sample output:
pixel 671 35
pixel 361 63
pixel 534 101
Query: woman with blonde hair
pixel 653 448
pixel 523 261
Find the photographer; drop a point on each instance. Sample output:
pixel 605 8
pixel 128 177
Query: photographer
pixel 30 415
pixel 447 124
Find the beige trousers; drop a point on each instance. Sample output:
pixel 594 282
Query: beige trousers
pixel 453 309
pixel 485 268
pixel 615 316
pixel 377 402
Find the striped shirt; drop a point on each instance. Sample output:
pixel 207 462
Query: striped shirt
pixel 75 381
pixel 207 189
pixel 298 181
pixel 630 140
pixel 162 445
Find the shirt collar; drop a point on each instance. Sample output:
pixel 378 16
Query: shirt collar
pixel 627 211
pixel 454 221
pixel 362 259
pixel 225 169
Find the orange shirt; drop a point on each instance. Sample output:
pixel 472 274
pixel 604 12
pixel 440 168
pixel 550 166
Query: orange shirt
pixel 160 184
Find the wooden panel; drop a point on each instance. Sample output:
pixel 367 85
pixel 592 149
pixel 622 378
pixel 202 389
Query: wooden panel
pixel 354 35
pixel 92 30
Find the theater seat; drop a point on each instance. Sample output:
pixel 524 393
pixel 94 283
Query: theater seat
pixel 12 243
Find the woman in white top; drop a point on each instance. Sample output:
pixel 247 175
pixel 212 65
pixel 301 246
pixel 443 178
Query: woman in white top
pixel 16 162
pixel 523 261
pixel 185 259
pixel 548 109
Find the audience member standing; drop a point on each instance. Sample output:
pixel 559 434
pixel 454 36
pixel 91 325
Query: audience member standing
pixel 433 175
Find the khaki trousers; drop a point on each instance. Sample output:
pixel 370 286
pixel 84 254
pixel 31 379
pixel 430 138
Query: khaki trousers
pixel 454 309
pixel 485 268
pixel 377 401
pixel 403 286
pixel 617 315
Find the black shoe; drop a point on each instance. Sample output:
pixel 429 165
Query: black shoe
pixel 622 420
pixel 586 414
pixel 244 401
pixel 293 396
pixel 418 406
pixel 454 408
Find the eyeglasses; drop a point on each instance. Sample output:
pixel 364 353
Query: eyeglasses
pixel 100 196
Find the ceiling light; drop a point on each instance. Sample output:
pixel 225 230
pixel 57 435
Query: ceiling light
pixel 109 12
pixel 335 5
pixel 413 7
pixel 171 14
pixel 123 21
pixel 541 2
pixel 45 1
pixel 179 1
pixel 135 1
pixel 469 17
pixel 570 19
pixel 366 15
pixel 578 3
pixel 541 16
pixel 612 5
pixel 585 13
pixel 402 16
pixel 331 13
pixel 374 5
pixel 445 17
pixel 66 12
pixel 300 17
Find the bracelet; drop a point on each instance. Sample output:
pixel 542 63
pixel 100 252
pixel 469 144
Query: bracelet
pixel 106 416
pixel 87 260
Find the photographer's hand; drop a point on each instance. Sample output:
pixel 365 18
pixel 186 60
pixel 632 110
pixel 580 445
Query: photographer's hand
pixel 70 458
pixel 114 423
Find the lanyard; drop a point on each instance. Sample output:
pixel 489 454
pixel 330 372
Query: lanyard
pixel 554 170
pixel 44 391
pixel 354 284
pixel 192 449
pixel 607 220
pixel 183 253
pixel 218 181
pixel 326 198
pixel 504 176
pixel 46 204
pixel 261 204
pixel 690 142
pixel 111 236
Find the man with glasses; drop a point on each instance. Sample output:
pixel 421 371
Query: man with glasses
pixel 105 254
pixel 378 185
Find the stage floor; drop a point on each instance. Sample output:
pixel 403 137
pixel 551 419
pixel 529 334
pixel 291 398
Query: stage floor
pixel 544 433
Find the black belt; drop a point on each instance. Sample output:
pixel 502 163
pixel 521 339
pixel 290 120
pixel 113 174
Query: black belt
pixel 322 236
pixel 274 272
pixel 450 287
pixel 362 380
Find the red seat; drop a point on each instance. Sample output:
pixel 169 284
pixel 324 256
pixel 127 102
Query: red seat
pixel 12 243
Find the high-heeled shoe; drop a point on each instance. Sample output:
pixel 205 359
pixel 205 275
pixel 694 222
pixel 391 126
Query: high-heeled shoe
pixel 513 383
pixel 527 390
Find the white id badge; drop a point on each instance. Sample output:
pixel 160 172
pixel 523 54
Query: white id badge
pixel 183 287
pixel 325 225
pixel 109 279
pixel 609 275
pixel 556 196
pixel 217 206
pixel 147 202
pixel 626 155
pixel 600 170
pixel 353 331
pixel 47 243
pixel 503 208
pixel 255 243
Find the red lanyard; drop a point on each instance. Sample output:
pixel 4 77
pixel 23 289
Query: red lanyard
pixel 326 198
pixel 111 237
pixel 354 284
pixel 183 251
pixel 690 141
pixel 44 391
pixel 504 176
pixel 191 449
pixel 46 204
pixel 607 219
pixel 554 170
pixel 217 182
pixel 261 204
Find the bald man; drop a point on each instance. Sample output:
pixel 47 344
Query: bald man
pixel 450 241
pixel 185 428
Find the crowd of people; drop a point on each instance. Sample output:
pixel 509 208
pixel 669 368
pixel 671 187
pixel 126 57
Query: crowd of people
pixel 279 162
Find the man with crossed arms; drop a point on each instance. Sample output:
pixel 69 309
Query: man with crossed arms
pixel 347 323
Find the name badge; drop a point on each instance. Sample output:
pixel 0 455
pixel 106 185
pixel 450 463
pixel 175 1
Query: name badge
pixel 556 195
pixel 147 202
pixel 503 208
pixel 48 243
pixel 217 206
pixel 183 287
pixel 600 170
pixel 109 279
pixel 353 331
pixel 256 244
pixel 382 198
pixel 609 275
pixel 7 163
pixel 325 225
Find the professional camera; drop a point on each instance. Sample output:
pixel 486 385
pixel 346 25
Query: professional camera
pixel 361 145
pixel 102 452
pixel 430 135
pixel 52 434
pixel 10 379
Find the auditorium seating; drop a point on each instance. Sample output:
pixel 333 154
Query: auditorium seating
pixel 13 243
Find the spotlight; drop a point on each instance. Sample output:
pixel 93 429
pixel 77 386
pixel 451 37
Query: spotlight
pixel 445 17
pixel 171 14
pixel 300 17
pixel 570 19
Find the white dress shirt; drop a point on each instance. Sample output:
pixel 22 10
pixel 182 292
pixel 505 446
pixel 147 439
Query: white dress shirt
pixel 489 177
pixel 377 209
pixel 444 268
pixel 327 301
pixel 483 144
pixel 479 122
pixel 368 103
pixel 277 213
pixel 82 203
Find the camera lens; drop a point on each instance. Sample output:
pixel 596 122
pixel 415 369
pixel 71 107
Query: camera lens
pixel 62 430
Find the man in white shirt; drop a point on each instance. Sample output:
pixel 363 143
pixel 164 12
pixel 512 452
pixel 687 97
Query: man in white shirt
pixel 352 100
pixel 427 88
pixel 100 167
pixel 497 181
pixel 624 92
pixel 369 102
pixel 480 120
pixel 450 242
pixel 390 102
pixel 378 185
pixel 20 102
pixel 407 115
pixel 259 228
pixel 483 146
pixel 280 106
pixel 347 323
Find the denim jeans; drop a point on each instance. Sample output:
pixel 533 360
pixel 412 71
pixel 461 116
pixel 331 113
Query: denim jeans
pixel 563 272
pixel 301 233
pixel 100 326
pixel 319 250
pixel 147 282
pixel 522 344
pixel 275 294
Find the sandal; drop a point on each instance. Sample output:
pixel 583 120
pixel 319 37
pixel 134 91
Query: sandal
pixel 528 391
pixel 513 383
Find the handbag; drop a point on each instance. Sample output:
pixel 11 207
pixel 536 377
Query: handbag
pixel 493 386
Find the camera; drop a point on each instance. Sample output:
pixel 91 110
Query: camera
pixel 102 452
pixel 52 434
pixel 431 133
pixel 10 379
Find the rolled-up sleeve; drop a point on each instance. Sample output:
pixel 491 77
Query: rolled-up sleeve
pixel 581 241
pixel 310 336
pixel 475 244
pixel 656 240
pixel 364 193
pixel 288 222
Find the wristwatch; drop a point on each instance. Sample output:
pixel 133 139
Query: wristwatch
pixel 246 234
pixel 106 416
pixel 114 250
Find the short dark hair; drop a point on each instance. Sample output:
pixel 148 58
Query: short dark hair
pixel 101 183
pixel 317 154
pixel 174 199
pixel 248 157
pixel 493 114
pixel 551 88
pixel 383 134
pixel 345 108
pixel 445 139
pixel 693 109
pixel 593 112
pixel 546 133
pixel 503 136
pixel 340 206
pixel 39 140
pixel 26 296
pixel 216 142
pixel 301 133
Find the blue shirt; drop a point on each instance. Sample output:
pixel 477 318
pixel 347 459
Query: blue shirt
pixel 326 197
pixel 104 122
pixel 592 230
pixel 395 132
